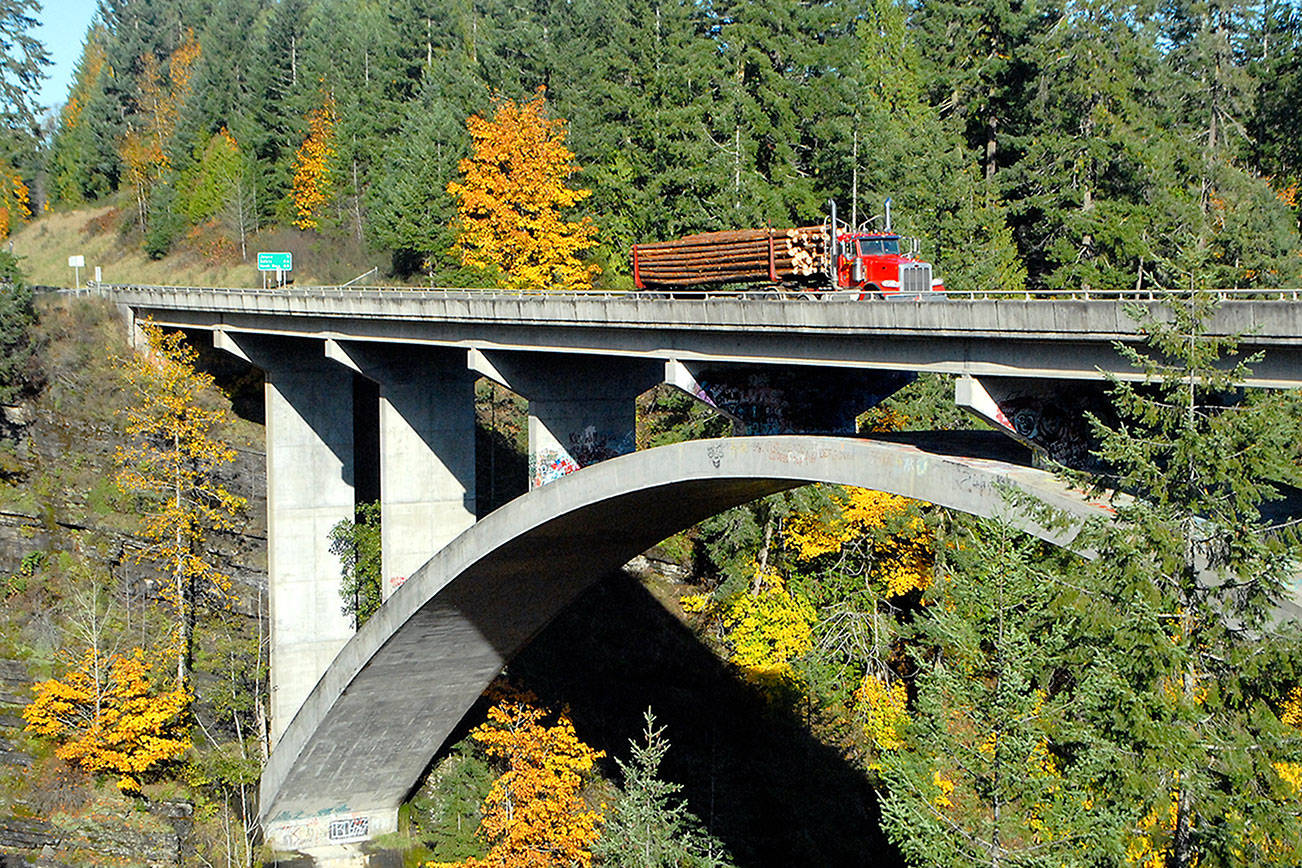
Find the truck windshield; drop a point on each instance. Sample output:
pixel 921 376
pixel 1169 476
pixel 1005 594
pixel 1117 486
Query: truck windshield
pixel 878 246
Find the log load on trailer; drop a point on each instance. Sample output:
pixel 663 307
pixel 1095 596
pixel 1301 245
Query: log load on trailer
pixel 807 258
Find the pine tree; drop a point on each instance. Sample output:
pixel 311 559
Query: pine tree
pixel 412 212
pixel 1084 186
pixel 79 170
pixel 17 316
pixel 991 770
pixel 1194 570
pixel 648 826
pixel 22 62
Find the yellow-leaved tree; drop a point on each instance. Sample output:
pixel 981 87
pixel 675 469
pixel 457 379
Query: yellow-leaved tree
pixel 511 198
pixel 143 148
pixel 15 201
pixel 170 463
pixel 768 629
pixel 534 814
pixel 313 181
pixel 107 716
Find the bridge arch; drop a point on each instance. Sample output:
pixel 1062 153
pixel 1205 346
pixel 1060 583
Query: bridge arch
pixel 401 685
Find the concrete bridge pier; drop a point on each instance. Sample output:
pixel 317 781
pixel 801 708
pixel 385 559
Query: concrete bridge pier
pixel 427 448
pixel 581 408
pixel 1048 415
pixel 775 398
pixel 310 487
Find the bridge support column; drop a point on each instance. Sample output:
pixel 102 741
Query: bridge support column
pixel 581 408
pixel 786 399
pixel 310 468
pixel 1048 415
pixel 427 449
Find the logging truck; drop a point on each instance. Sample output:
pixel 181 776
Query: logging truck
pixel 807 259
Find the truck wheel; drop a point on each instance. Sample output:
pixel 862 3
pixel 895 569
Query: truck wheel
pixel 873 291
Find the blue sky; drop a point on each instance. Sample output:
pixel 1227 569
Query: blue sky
pixel 63 27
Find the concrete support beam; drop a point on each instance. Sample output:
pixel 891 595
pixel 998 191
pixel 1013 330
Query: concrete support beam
pixel 581 408
pixel 309 489
pixel 1049 416
pixel 785 399
pixel 427 449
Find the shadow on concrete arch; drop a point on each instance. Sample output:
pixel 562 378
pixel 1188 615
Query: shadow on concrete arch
pixel 397 690
pixel 755 773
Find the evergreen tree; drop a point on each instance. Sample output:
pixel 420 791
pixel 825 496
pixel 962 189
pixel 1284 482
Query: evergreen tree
pixel 992 769
pixel 412 211
pixel 1193 697
pixel 17 315
pixel 766 63
pixel 648 826
pixel 22 62
pixel 1276 125
pixel 83 158
pixel 895 145
pixel 979 71
pixel 1085 186
pixel 638 109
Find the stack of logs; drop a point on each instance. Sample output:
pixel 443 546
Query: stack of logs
pixel 738 256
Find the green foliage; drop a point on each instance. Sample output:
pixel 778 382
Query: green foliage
pixel 926 404
pixel 994 770
pixel 356 543
pixel 1026 145
pixel 166 224
pixel 669 415
pixel 17 316
pixel 1194 569
pixel 648 826
pixel 445 812
pixel 22 62
pixel 412 207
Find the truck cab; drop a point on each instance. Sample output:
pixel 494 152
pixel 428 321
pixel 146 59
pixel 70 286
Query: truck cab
pixel 872 262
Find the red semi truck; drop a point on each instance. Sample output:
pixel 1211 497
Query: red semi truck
pixel 810 258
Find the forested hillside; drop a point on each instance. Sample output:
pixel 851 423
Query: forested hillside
pixel 1048 144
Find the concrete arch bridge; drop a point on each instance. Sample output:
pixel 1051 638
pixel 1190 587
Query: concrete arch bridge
pixel 370 394
pixel 400 686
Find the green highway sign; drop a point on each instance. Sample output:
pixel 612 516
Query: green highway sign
pixel 275 262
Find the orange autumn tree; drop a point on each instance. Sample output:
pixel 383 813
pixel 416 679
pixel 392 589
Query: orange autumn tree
pixel 313 180
pixel 15 201
pixel 107 716
pixel 171 462
pixel 511 198
pixel 534 814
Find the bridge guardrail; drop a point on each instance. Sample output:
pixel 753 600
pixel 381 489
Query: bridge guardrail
pixel 106 289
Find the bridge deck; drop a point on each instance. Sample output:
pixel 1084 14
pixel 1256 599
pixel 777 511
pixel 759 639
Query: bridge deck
pixel 1068 337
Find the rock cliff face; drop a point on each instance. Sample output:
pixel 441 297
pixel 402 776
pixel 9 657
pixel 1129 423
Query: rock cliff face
pixel 58 505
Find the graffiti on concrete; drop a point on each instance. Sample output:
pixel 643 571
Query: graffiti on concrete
pixel 348 829
pixel 590 445
pixel 549 465
pixel 300 830
pixel 783 399
pixel 1058 423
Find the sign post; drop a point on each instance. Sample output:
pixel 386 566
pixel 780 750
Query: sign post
pixel 277 262
pixel 77 263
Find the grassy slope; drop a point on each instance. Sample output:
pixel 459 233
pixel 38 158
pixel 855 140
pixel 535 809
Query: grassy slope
pixel 98 234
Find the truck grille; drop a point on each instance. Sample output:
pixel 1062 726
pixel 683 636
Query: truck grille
pixel 915 277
